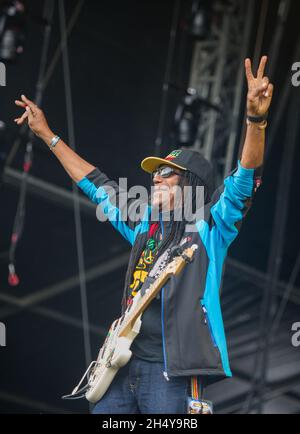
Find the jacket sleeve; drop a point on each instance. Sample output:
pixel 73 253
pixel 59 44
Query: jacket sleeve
pixel 115 205
pixel 232 201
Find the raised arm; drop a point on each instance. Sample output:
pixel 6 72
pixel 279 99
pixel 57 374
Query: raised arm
pixel 231 202
pixel 259 97
pixel 74 165
pixel 113 201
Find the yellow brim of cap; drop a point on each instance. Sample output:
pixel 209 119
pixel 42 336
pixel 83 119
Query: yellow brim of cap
pixel 150 164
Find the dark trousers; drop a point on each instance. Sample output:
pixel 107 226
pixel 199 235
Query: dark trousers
pixel 140 387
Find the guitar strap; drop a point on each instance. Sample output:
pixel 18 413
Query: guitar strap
pixel 196 404
pixel 197 388
pixel 150 251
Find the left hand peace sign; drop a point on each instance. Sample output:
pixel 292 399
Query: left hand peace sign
pixel 260 90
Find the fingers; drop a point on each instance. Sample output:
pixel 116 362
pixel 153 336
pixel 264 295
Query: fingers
pixel 20 103
pixel 23 104
pixel 30 113
pixel 265 88
pixel 31 110
pixel 260 71
pixel 262 88
pixel 28 102
pixel 248 70
pixel 261 68
pixel 266 93
pixel 19 121
pixel 269 91
pixel 265 85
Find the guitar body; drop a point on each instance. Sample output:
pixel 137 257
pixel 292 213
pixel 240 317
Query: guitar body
pixel 113 355
pixel 115 352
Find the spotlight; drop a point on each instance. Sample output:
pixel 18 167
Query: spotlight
pixel 186 121
pixel 188 116
pixel 12 23
pixel 200 20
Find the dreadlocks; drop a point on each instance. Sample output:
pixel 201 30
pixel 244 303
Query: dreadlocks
pixel 175 234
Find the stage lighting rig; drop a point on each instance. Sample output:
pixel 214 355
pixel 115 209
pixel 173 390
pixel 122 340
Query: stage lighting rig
pixel 12 24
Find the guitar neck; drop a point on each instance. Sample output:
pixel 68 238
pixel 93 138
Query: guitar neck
pixel 151 293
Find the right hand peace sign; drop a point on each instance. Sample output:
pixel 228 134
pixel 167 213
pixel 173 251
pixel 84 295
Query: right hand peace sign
pixel 34 116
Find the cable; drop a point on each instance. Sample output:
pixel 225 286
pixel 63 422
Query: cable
pixel 77 213
pixel 28 157
pixel 257 51
pixel 63 42
pixel 48 74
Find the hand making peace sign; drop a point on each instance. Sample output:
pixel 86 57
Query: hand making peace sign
pixel 34 116
pixel 260 90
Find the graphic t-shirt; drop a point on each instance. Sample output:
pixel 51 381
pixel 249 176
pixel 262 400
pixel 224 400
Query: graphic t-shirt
pixel 148 343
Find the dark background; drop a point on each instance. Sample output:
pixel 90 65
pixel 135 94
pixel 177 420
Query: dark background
pixel 117 56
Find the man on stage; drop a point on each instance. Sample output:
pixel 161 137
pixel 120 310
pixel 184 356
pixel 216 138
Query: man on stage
pixel 182 336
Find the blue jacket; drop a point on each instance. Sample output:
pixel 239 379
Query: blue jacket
pixel 194 342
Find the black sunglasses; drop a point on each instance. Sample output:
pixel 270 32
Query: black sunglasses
pixel 165 172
